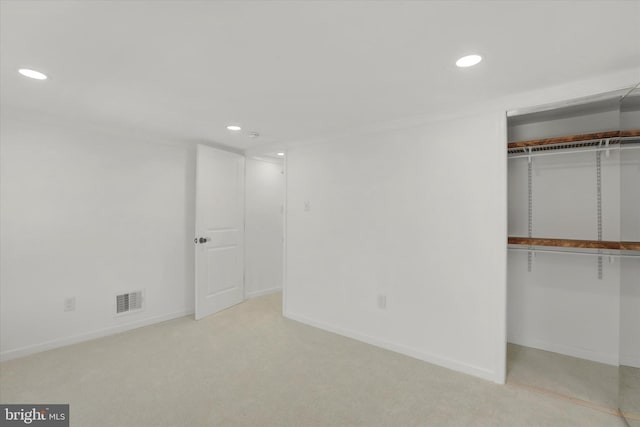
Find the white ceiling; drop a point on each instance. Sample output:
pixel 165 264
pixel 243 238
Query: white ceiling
pixel 289 70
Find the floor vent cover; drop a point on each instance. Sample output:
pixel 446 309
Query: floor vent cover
pixel 126 303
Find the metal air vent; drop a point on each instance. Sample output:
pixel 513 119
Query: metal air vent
pixel 126 303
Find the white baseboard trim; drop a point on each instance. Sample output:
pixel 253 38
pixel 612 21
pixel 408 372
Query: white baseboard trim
pixel 454 365
pixel 263 292
pixel 609 359
pixel 632 360
pixel 61 342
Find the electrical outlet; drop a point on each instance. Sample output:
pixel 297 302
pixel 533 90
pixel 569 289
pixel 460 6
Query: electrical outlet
pixel 382 301
pixel 70 304
pixel 307 206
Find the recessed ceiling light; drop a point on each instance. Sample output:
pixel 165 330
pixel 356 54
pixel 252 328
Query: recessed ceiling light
pixel 468 61
pixel 234 127
pixel 33 74
pixel 280 154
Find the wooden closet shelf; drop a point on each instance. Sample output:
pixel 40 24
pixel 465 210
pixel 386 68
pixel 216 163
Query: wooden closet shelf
pixel 630 246
pixel 569 243
pixel 575 138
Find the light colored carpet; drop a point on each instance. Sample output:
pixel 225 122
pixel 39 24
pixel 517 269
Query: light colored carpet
pixel 248 366
pixel 630 393
pixel 570 376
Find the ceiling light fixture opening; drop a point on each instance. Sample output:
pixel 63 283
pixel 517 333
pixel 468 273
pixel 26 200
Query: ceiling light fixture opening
pixel 468 61
pixel 234 127
pixel 32 74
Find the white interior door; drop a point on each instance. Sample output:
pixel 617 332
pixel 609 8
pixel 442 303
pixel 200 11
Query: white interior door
pixel 219 237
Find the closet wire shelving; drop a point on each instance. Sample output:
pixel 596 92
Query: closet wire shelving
pixel 615 140
pixel 584 143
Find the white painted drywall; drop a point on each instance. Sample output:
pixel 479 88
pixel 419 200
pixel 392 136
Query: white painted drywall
pixel 565 196
pixel 417 215
pixel 561 305
pixel 366 233
pixel 264 204
pixel 87 213
pixel 630 313
pixel 630 181
pixel 597 121
pixel 630 231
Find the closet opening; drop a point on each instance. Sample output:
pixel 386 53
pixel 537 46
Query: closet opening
pixel 573 322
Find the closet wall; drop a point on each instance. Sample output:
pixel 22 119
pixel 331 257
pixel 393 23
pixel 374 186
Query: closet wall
pixel 558 302
pixel 561 305
pixel 630 231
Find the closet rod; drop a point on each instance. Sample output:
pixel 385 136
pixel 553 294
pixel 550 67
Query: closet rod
pixel 553 153
pixel 573 253
pixel 586 150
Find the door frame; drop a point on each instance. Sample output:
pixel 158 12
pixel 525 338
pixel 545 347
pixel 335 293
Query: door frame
pixel 285 209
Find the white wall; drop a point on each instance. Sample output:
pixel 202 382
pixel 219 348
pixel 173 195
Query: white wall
pixel 630 313
pixel 630 180
pixel 418 215
pixel 561 305
pixel 88 214
pixel 440 258
pixel 600 120
pixel 264 201
pixel 630 231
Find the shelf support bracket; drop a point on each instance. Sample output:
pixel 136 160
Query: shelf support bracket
pixel 606 144
pixel 530 210
pixel 599 205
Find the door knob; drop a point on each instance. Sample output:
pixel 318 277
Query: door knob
pixel 202 240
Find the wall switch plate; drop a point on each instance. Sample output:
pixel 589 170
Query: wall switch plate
pixel 307 206
pixel 382 301
pixel 70 304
